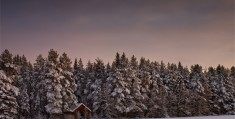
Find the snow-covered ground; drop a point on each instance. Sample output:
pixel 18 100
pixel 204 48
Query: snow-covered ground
pixel 204 117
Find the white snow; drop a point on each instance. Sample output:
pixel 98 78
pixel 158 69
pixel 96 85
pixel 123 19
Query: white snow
pixel 203 117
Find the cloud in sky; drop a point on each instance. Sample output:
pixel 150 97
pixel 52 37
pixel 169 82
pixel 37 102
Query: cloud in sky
pixel 191 31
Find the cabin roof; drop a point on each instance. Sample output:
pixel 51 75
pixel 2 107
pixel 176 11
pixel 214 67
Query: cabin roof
pixel 74 107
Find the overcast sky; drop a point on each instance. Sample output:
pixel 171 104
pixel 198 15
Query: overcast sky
pixel 190 31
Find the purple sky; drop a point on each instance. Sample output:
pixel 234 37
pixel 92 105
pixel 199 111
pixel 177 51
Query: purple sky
pixel 190 31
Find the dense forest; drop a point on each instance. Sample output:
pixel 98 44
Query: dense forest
pixel 127 87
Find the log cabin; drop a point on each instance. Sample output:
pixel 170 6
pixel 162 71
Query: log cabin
pixel 79 111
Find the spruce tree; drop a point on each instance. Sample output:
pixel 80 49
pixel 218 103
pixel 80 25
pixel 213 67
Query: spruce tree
pixel 232 72
pixel 8 94
pixel 24 83
pixel 37 98
pixel 196 78
pixel 80 80
pixel 53 85
pixel 225 91
pixel 124 61
pixel 7 63
pixel 68 83
pixel 97 88
pixel 75 65
pixel 117 61
pixel 90 77
pixel 134 62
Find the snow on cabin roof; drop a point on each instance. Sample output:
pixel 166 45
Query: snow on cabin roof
pixel 74 107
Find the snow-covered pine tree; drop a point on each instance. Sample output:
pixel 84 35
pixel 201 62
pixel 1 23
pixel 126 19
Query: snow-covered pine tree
pixel 157 93
pixel 232 73
pixel 97 86
pixel 90 79
pixel 213 97
pixel 225 91
pixel 80 80
pixel 124 61
pixel 195 84
pixel 139 89
pixel 6 64
pixel 47 80
pixel 231 89
pixel 196 78
pixel 67 82
pixel 9 76
pixel 65 62
pixel 183 95
pixel 125 87
pixel 37 97
pixel 23 82
pixel 153 93
pixel 117 86
pixel 232 76
pixel 8 94
pixel 170 82
pixel 105 105
pixel 53 85
pixel 134 99
pixel 116 63
pixel 180 77
pixel 108 70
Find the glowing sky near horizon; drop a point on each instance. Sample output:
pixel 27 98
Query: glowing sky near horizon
pixel 191 31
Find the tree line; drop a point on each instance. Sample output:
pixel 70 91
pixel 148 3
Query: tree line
pixel 125 88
